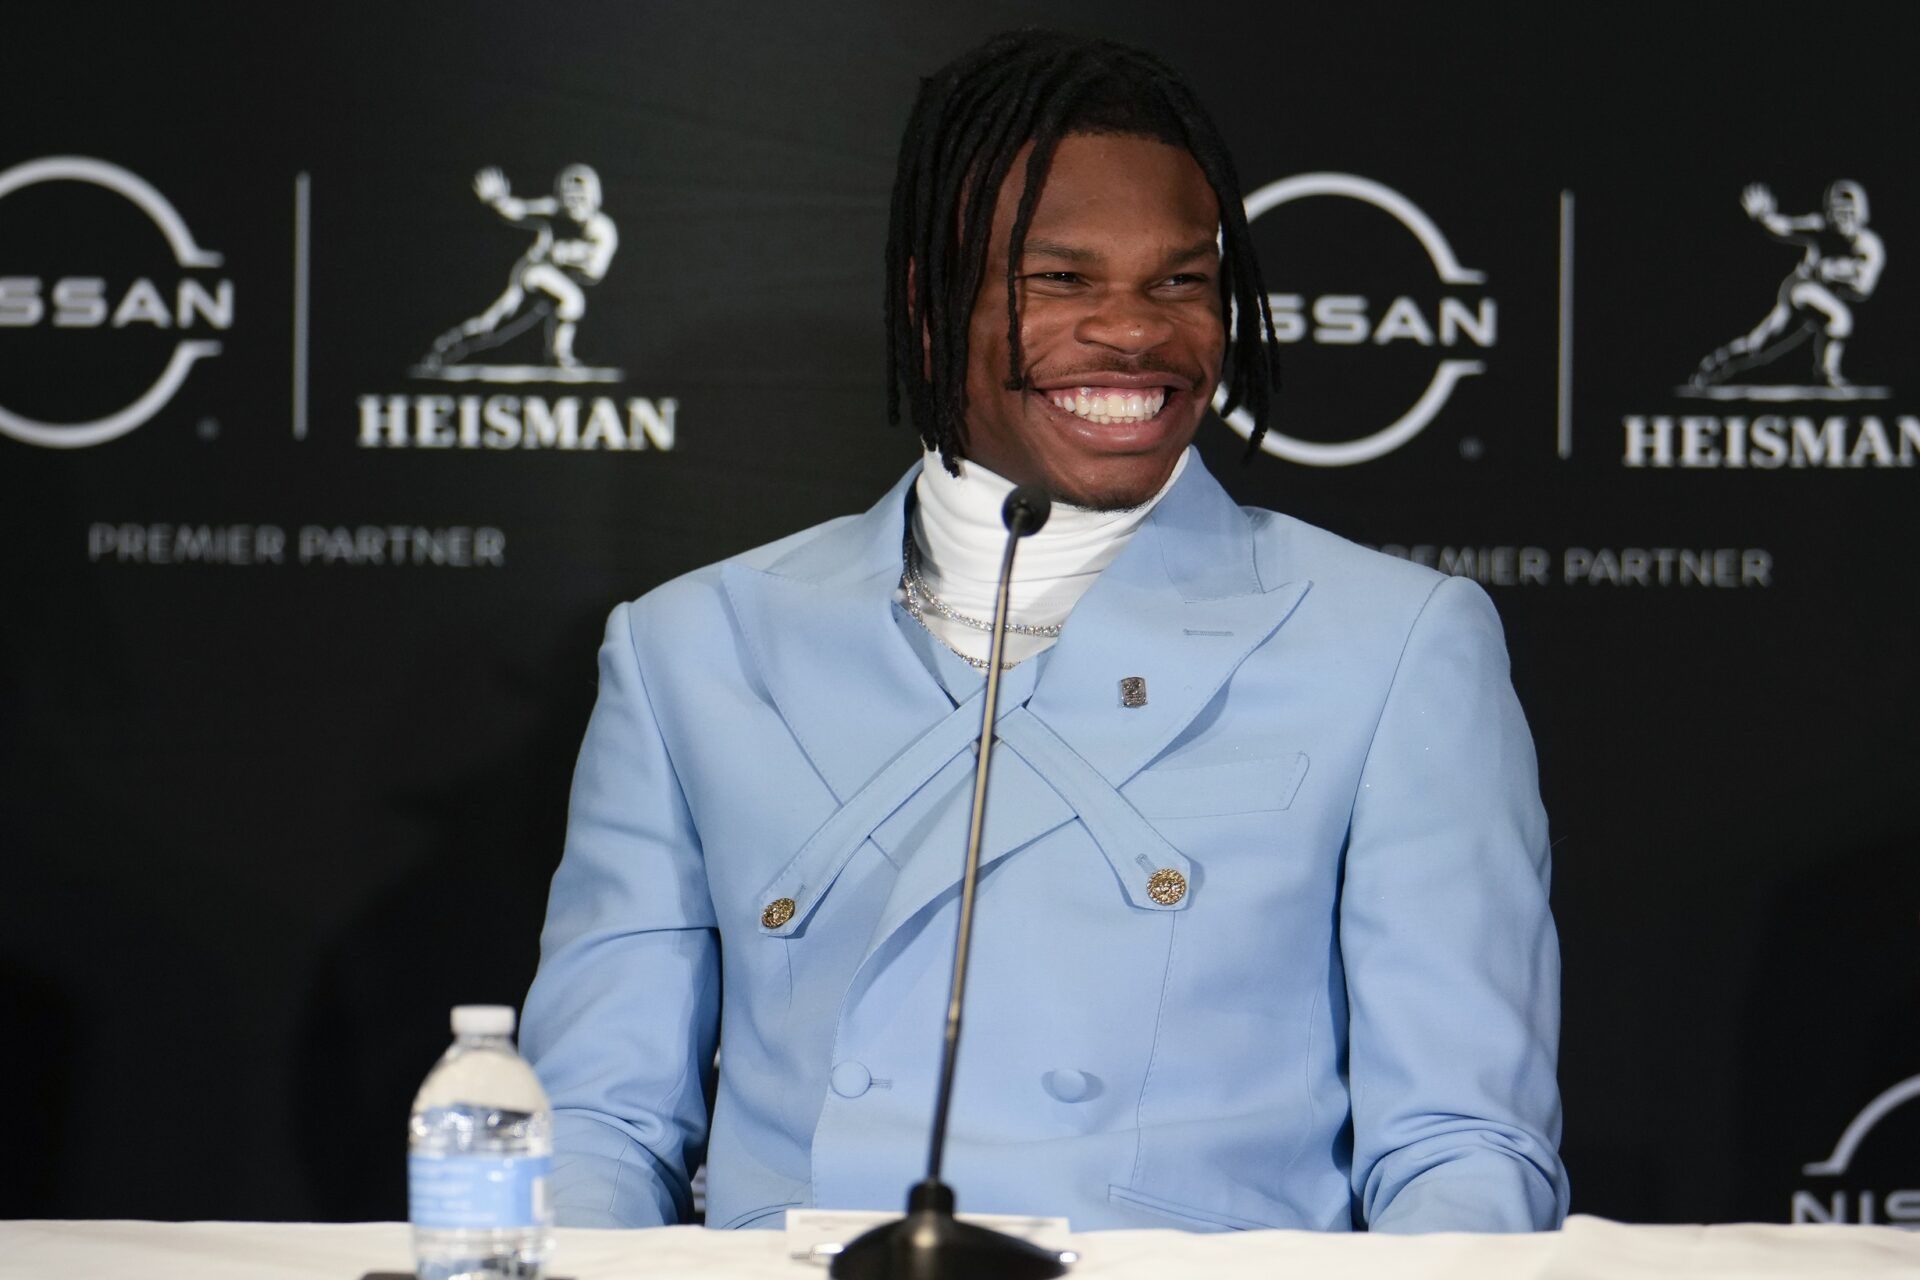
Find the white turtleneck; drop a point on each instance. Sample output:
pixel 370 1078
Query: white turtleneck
pixel 957 528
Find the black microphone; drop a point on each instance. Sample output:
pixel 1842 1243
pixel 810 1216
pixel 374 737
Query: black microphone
pixel 930 1243
pixel 1024 512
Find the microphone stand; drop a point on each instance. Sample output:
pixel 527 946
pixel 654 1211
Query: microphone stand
pixel 930 1243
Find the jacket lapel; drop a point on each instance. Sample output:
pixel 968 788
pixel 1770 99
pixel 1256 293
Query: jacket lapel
pixel 818 624
pixel 1181 608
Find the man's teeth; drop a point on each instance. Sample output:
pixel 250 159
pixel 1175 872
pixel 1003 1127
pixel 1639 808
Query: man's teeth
pixel 1104 404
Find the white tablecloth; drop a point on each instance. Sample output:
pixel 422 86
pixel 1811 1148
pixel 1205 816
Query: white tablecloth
pixel 1589 1247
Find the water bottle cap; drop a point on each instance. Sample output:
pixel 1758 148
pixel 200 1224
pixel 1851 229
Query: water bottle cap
pixel 483 1020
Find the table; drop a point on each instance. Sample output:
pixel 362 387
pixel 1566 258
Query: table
pixel 1588 1249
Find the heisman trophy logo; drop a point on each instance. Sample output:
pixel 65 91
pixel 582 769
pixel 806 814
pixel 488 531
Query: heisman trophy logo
pixel 82 302
pixel 574 241
pixel 1792 365
pixel 1840 265
pixel 1347 320
pixel 572 247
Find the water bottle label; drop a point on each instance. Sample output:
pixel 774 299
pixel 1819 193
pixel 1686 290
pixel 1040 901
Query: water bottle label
pixel 454 1192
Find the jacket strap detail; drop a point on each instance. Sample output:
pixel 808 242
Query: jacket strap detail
pixel 792 895
pixel 1141 857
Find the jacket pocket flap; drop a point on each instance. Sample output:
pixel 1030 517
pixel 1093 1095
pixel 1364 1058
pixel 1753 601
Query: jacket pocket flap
pixel 1206 790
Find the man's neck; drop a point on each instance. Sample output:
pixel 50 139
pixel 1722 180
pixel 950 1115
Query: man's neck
pixel 957 529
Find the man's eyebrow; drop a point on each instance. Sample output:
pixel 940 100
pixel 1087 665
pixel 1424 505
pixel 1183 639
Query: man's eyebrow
pixel 1055 249
pixel 1207 249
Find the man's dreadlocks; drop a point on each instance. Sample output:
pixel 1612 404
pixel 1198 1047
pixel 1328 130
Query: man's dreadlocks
pixel 968 124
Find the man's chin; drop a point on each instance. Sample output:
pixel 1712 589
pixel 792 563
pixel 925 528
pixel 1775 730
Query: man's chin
pixel 1110 493
pixel 1126 500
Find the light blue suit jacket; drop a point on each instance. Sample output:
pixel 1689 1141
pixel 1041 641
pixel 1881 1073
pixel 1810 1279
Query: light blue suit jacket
pixel 1349 1019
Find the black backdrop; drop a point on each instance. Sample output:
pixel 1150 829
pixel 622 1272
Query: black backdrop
pixel 264 816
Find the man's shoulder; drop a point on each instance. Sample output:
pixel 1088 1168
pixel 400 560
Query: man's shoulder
pixel 693 597
pixel 793 550
pixel 1370 606
pixel 1287 548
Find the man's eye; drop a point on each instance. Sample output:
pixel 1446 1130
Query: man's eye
pixel 1056 277
pixel 1189 279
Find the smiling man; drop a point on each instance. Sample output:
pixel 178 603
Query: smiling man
pixel 1262 937
pixel 1121 330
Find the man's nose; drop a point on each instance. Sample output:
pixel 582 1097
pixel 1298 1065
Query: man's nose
pixel 1124 322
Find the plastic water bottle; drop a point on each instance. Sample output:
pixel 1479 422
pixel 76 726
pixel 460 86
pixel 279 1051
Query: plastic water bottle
pixel 479 1153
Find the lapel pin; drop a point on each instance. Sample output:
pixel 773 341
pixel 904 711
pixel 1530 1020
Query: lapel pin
pixel 1133 691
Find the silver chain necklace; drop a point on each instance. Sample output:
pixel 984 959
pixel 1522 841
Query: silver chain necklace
pixel 921 596
pixel 920 599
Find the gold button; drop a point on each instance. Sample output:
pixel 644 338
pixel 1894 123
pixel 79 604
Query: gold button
pixel 1166 886
pixel 780 910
